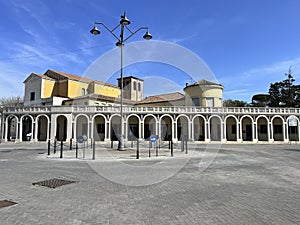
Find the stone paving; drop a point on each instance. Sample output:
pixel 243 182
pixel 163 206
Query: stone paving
pixel 243 184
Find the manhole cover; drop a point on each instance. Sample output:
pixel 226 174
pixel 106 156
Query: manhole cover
pixel 5 203
pixel 54 183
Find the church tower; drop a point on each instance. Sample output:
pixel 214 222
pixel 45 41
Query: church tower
pixel 133 88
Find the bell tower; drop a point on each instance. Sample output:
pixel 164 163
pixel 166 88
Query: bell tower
pixel 133 88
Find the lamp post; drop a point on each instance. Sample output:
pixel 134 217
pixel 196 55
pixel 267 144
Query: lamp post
pixel 124 22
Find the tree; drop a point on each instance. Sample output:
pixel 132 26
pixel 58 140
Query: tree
pixel 234 103
pixel 11 101
pixel 285 93
pixel 260 100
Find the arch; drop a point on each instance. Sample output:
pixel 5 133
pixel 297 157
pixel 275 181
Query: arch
pixel 246 123
pixel 115 127
pixel 293 131
pixel 166 127
pixel 199 127
pixel 99 128
pixel 278 128
pixel 133 127
pixel 215 127
pixel 61 127
pixel 262 128
pixel 42 122
pixel 81 125
pixel 150 125
pixel 11 128
pixel 231 128
pixel 182 128
pixel 26 127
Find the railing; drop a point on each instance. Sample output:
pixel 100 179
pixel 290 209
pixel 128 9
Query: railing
pixel 150 109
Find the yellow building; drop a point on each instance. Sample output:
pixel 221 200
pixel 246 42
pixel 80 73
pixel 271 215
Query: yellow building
pixel 53 87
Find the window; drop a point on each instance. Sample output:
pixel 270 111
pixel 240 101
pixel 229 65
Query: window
pixel 82 91
pixel 210 102
pixel 32 96
pixel 263 129
pixel 139 86
pixel 277 129
pixel 195 102
pixel 233 129
pixel 134 85
pixel 127 85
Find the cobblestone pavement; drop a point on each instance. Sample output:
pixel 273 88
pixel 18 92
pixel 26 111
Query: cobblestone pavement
pixel 245 184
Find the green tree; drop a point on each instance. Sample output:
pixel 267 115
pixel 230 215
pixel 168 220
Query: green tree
pixel 285 93
pixel 260 100
pixel 234 103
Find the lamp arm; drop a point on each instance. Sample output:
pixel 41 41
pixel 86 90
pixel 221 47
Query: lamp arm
pixel 133 33
pixel 110 31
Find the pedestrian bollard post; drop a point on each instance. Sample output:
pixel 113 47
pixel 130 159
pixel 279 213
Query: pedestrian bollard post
pixel 186 147
pixel 137 149
pixel 70 143
pixel 48 147
pixel 149 149
pixel 171 148
pixel 54 150
pixel 76 149
pixel 61 149
pixel 156 149
pixel 94 150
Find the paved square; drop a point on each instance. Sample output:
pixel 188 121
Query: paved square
pixel 245 184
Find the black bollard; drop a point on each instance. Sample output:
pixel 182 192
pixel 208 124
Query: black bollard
pixel 94 150
pixel 70 143
pixel 186 147
pixel 156 149
pixel 48 147
pixel 61 149
pixel 76 150
pixel 172 148
pixel 112 144
pixel 149 149
pixel 137 149
pixel 169 144
pixel 54 150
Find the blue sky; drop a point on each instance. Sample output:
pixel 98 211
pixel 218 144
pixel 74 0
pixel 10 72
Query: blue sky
pixel 247 44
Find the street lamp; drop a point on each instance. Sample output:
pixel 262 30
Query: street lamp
pixel 124 22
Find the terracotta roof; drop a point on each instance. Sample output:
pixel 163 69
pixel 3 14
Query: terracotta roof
pixel 38 75
pixel 105 84
pixel 70 76
pixel 104 98
pixel 162 98
pixel 204 82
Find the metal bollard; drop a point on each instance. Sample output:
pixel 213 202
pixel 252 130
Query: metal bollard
pixel 169 144
pixel 61 149
pixel 112 144
pixel 94 150
pixel 137 149
pixel 186 147
pixel 156 149
pixel 172 148
pixel 54 150
pixel 182 145
pixel 48 147
pixel 76 150
pixel 71 144
pixel 149 149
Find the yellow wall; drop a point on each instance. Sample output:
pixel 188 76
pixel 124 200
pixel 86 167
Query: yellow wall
pixel 203 92
pixel 48 87
pixel 107 91
pixel 75 88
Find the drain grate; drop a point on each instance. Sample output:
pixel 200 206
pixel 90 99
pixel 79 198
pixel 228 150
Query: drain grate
pixel 6 203
pixel 54 183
